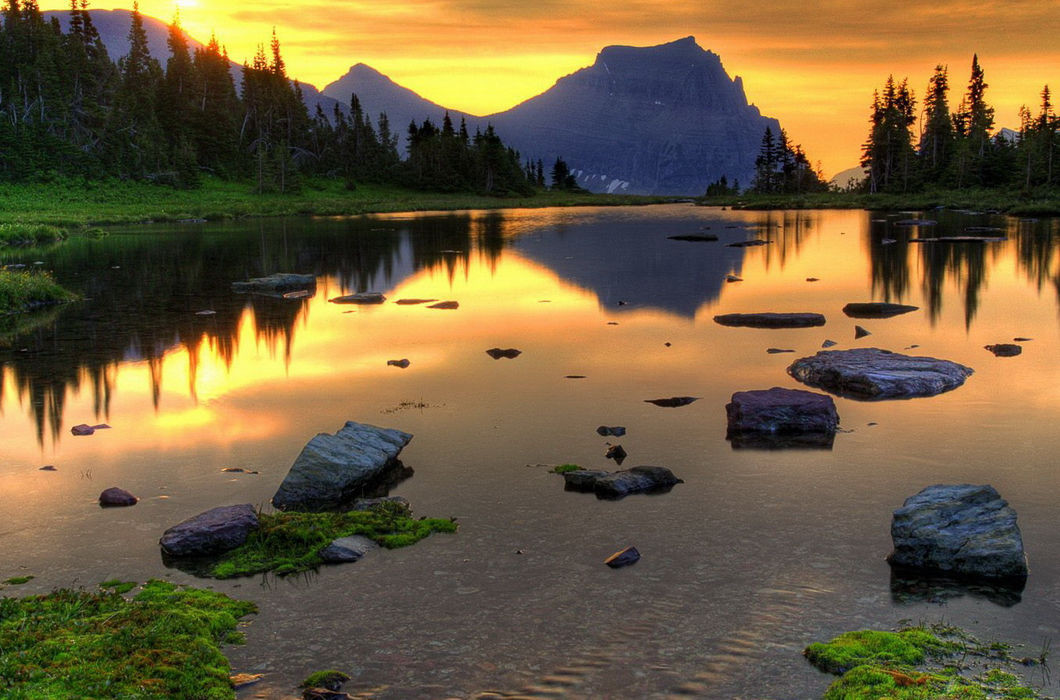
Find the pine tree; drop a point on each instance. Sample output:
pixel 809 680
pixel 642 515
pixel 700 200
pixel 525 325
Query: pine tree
pixel 973 123
pixel 937 136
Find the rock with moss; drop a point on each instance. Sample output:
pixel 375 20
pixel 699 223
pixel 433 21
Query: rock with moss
pixel 333 469
pixel 961 529
pixel 330 679
pixel 275 284
pixel 216 530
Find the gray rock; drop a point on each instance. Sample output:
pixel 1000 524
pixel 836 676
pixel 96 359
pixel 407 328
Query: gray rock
pixel 275 283
pixel 615 430
pixel 369 503
pixel 346 549
pixel 333 469
pixel 860 332
pixel 780 410
pixel 962 529
pixel 829 344
pixel 217 530
pixel 635 480
pixel 623 557
pixel 509 353
pixel 402 363
pixel 871 373
pixel 1004 349
pixel 116 497
pixel 583 479
pixel 359 298
pixel 673 401
pixel 877 309
pixel 616 452
pixel 771 320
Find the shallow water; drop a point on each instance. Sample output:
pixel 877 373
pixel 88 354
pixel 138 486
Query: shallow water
pixel 756 555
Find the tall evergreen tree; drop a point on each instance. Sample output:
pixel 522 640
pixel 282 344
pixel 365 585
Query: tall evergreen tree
pixel 973 123
pixel 937 136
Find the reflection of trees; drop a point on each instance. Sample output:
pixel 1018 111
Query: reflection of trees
pixel 786 230
pixel 142 291
pixel 965 264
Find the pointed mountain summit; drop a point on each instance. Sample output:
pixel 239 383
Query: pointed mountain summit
pixel 662 119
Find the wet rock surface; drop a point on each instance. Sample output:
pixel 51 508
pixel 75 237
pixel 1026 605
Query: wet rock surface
pixel 779 410
pixel 962 529
pixel 115 497
pixel 613 430
pixel 871 373
pixel 673 401
pixel 623 557
pixel 509 353
pixel 771 320
pixel 877 309
pixel 615 485
pixel 347 549
pixel 359 298
pixel 333 469
pixel 212 532
pixel 694 237
pixel 1004 349
pixel 275 283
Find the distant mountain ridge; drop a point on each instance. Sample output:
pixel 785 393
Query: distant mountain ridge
pixel 663 119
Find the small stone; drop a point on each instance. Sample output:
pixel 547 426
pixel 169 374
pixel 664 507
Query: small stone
pixel 615 452
pixel 1021 340
pixel 116 497
pixel 771 320
pixel 360 298
pixel 48 468
pixel 347 549
pixel 617 430
pixel 574 376
pixel 673 401
pixel 733 278
pixel 509 353
pixel 860 332
pixel 445 305
pixel 82 429
pixel 812 279
pixel 777 351
pixel 623 557
pixel 402 363
pixel 242 680
pixel 205 312
pixel 829 344
pixel 876 309
pixel 406 302
pixel 1004 349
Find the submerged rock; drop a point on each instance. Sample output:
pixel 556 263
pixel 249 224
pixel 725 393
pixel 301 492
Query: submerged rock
pixel 877 309
pixel 407 302
pixel 746 244
pixel 445 305
pixel 780 410
pixel 673 401
pixel 871 373
pixel 615 485
pixel 623 557
pixel 85 429
pixel 332 469
pixel 694 237
pixel 616 452
pixel 116 497
pixel 771 320
pixel 215 531
pixel 360 298
pixel 614 430
pixel 860 332
pixel 1004 349
pixel 275 283
pixel 963 529
pixel 509 353
pixel 345 549
pixel 403 363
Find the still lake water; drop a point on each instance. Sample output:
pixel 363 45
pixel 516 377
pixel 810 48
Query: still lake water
pixel 755 556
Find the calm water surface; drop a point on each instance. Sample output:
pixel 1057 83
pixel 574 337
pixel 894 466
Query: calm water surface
pixel 756 555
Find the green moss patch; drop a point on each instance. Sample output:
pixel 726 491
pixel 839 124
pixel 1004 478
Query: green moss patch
pixel 21 290
pixel 165 642
pixel 18 234
pixel 118 586
pixel 917 663
pixel 288 543
pixel 325 679
pixel 18 580
pixel 564 468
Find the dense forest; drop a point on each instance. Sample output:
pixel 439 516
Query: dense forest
pixel 957 148
pixel 68 109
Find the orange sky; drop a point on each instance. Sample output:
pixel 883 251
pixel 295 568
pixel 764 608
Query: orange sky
pixel 813 65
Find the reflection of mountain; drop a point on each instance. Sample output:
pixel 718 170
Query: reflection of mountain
pixel 628 261
pixel 143 290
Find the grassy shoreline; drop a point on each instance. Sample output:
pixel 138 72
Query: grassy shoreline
pixel 1012 202
pixel 76 203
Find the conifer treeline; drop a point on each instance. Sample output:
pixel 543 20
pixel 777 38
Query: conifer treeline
pixel 959 148
pixel 67 109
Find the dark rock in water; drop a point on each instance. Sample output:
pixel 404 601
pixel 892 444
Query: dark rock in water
pixel 781 441
pixel 445 305
pixel 116 497
pixel 238 470
pixel 332 469
pixel 780 410
pixel 369 503
pixel 771 320
pixel 673 401
pixel 402 363
pixel 747 244
pixel 871 373
pixel 48 468
pixel 414 301
pixel 623 557
pixel 509 353
pixel 582 479
pixel 1004 349
pixel 876 309
pixel 616 430
pixel 215 531
pixel 813 279
pixel 615 485
pixel 1022 340
pixel 733 278
pixel 360 298
pixel 777 351
pixel 616 452
pixel 275 284
pixel 860 332
pixel 695 237
pixel 84 429
pixel 829 344
pixel 345 549
pixel 963 529
pixel 916 587
pixel 888 241
pixel 575 376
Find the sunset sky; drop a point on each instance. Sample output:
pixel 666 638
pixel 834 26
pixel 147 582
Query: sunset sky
pixel 812 65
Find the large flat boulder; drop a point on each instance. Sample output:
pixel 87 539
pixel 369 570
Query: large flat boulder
pixel 961 529
pixel 780 410
pixel 876 309
pixel 215 531
pixel 333 469
pixel 871 373
pixel 771 320
pixel 620 484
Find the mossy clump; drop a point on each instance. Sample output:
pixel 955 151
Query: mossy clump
pixel 915 663
pixel 289 543
pixel 564 468
pixel 21 290
pixel 18 234
pixel 330 679
pixel 907 647
pixel 165 642
pixel 118 586
pixel 18 580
